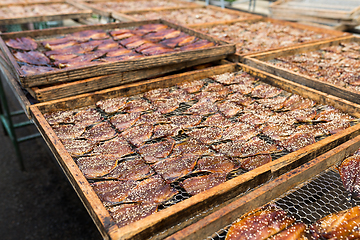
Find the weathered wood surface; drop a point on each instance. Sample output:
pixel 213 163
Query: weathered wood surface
pixel 178 216
pixel 239 57
pixel 228 214
pixel 65 75
pixel 82 13
pixel 57 91
pixel 259 61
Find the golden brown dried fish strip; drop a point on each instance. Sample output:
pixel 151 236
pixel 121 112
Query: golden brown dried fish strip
pixel 122 34
pixel 87 35
pixel 241 88
pixel 112 105
pixel 162 34
pixel 151 190
pixel 349 173
pixel 225 78
pixel 111 192
pixel 179 41
pixel 152 51
pixel 260 225
pixel 77 148
pixel 275 103
pixel 139 134
pixel 132 169
pixel 23 43
pixel 97 166
pixel 166 105
pixel 333 127
pixel 150 28
pixel 196 185
pixel 156 151
pixel 175 167
pixel 206 135
pixel 250 163
pixel 201 44
pixel 312 129
pixel 203 107
pixel 100 132
pixel 125 214
pixel 116 146
pixel 278 130
pixel 332 114
pixel 295 231
pixel 216 164
pixel 231 149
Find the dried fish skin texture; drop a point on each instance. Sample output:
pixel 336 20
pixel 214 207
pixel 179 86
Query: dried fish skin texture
pixel 116 146
pixel 111 192
pixel 349 171
pixel 112 105
pixel 100 132
pixel 196 185
pixel 216 164
pixel 139 134
pixel 131 169
pixel 124 121
pixel 97 166
pixel 78 147
pixel 23 43
pixel 154 152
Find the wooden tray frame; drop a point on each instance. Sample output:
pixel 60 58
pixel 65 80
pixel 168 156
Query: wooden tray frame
pixel 109 12
pixel 239 57
pixel 176 217
pixel 259 61
pixel 266 193
pixel 84 13
pixel 66 75
pixel 67 89
pixel 127 17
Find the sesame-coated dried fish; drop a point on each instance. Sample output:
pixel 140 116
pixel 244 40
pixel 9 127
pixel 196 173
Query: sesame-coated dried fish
pixel 112 105
pixel 196 185
pixel 131 169
pixel 100 132
pixel 97 166
pixel 154 152
pixel 124 121
pixel 139 134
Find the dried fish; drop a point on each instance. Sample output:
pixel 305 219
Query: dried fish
pixel 131 169
pixel 196 185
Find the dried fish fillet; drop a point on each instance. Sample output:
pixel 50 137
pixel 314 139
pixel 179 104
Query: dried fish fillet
pixel 239 131
pixel 157 94
pixel 206 135
pixel 116 146
pixel 156 151
pixel 87 35
pixel 174 168
pixel 333 127
pixel 139 134
pixel 278 130
pixel 77 148
pixel 68 131
pixel 186 121
pixel 265 91
pixel 216 164
pixel 191 146
pixel 240 99
pixel 97 166
pixel 191 87
pixel 125 214
pixel 151 190
pixel 295 231
pixel 203 107
pixel 241 88
pixel 162 34
pixel 150 28
pixel 138 105
pixel 349 171
pixel 179 41
pixel 152 118
pixel 229 109
pixel 253 162
pixel 196 185
pixel 166 130
pixel 296 102
pixel 166 105
pixel 124 121
pixel 112 105
pixel 132 169
pixel 57 117
pixel 23 43
pixel 111 192
pixel 257 146
pixel 32 57
pixel 100 132
pixel 201 44
pixel 296 141
pixel 275 103
pixel 85 117
pixel 217 120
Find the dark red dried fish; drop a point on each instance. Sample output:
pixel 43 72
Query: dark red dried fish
pixel 68 131
pixel 241 88
pixel 23 43
pixel 150 28
pixel 191 146
pixel 278 130
pixel 87 35
pixel 152 51
pixel 77 148
pixel 176 167
pixel 162 34
pixel 206 135
pixel 179 41
pixel 186 121
pixel 349 172
pixel 111 192
pixel 253 162
pixel 139 134
pixel 156 151
pixel 125 214
pixel 138 105
pixel 196 185
pixel 201 44
pixel 116 53
pixel 151 190
pixel 295 231
pixel 121 34
pixel 275 103
pixel 296 141
pixel 116 146
pixel 254 118
pixel 124 121
pixel 100 132
pixel 231 149
pixel 166 130
pixel 132 169
pixel 296 102
pixel 216 164
pixel 32 57
pixel 112 105
pixel 97 166
pixel 257 146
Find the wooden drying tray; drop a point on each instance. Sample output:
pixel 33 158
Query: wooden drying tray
pixel 106 12
pixel 84 13
pixel 260 61
pixel 239 57
pixel 65 75
pixel 127 17
pixel 266 193
pixel 345 9
pixel 180 215
pixel 67 89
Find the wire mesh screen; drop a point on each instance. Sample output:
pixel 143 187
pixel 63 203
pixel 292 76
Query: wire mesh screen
pixel 312 200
